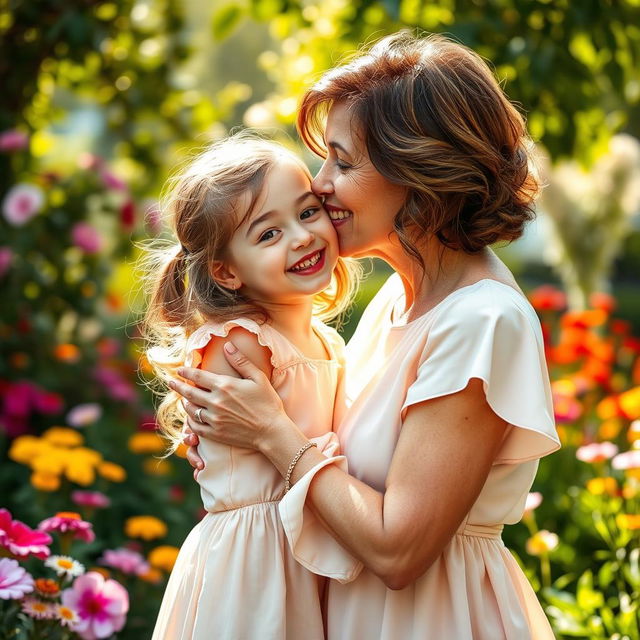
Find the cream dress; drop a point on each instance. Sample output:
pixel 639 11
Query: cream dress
pixel 475 590
pixel 235 577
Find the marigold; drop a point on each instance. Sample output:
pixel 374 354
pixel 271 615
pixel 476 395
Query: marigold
pixel 50 460
pixel 163 557
pixel 24 448
pixel 628 521
pixel 609 429
pixel 80 472
pixel 67 353
pixel 607 408
pixel 146 442
pixel 630 403
pixel 91 456
pixel 63 437
pixel 541 542
pixel 112 472
pixel 47 587
pixel 45 481
pixel 602 486
pixel 145 527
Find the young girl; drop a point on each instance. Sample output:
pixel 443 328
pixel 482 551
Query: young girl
pixel 257 255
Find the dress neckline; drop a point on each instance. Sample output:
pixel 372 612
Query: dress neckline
pixel 395 324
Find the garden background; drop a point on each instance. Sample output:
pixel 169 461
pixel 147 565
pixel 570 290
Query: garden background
pixel 102 99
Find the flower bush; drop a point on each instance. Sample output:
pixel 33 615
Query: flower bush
pixel 585 561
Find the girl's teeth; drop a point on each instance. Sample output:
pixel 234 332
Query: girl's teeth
pixel 307 263
pixel 339 215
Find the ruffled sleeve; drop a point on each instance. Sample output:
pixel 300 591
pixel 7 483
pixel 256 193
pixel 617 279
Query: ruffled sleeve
pixel 310 542
pixel 494 336
pixel 201 337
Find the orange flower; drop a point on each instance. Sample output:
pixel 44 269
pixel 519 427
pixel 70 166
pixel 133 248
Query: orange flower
pixel 47 587
pixel 630 403
pixel 584 319
pixel 67 352
pixel 609 429
pixel 151 575
pixel 112 472
pixel 547 298
pixel 602 301
pixel 628 521
pixel 608 408
pixel 601 486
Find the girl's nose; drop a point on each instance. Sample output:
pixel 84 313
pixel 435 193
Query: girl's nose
pixel 321 185
pixel 302 238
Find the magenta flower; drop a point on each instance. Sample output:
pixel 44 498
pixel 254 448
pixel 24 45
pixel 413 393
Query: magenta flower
pixel 83 415
pixel 6 258
pixel 18 399
pixel 69 522
pixel 101 605
pixel 91 499
pixel 22 202
pixel 111 181
pixel 20 540
pixel 15 582
pixel 86 237
pixel 596 452
pixel 13 140
pixel 47 402
pixel 125 560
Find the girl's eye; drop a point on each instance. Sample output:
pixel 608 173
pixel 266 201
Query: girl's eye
pixel 268 235
pixel 308 213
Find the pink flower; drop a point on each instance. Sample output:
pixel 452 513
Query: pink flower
pixel 125 560
pixel 597 452
pixel 84 414
pixel 20 540
pixel 6 257
pixel 92 499
pixel 15 582
pixel 101 605
pixel 13 140
pixel 534 500
pixel 69 522
pixel 111 181
pixel 21 203
pixel 627 460
pixel 18 399
pixel 86 237
pixel 152 215
pixel 47 402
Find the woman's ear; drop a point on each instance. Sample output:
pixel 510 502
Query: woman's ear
pixel 224 275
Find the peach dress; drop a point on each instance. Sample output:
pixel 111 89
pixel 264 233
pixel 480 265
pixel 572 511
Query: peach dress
pixel 235 577
pixel 475 590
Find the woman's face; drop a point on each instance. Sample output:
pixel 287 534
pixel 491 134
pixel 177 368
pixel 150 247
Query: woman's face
pixel 361 202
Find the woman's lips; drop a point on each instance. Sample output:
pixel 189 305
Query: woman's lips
pixel 338 215
pixel 316 266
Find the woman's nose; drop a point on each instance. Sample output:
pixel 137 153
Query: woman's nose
pixel 321 185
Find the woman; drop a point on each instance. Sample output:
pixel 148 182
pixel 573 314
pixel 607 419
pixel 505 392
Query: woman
pixel 449 407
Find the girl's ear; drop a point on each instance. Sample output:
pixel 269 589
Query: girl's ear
pixel 224 276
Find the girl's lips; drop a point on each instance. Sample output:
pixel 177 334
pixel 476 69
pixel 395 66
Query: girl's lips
pixel 314 268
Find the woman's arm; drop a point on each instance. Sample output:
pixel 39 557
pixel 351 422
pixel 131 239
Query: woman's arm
pixel 441 462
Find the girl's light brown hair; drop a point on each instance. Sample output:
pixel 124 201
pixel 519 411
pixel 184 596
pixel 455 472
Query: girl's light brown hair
pixel 434 119
pixel 203 214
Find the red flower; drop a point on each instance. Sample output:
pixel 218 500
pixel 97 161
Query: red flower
pixel 127 214
pixel 20 540
pixel 548 298
pixel 603 301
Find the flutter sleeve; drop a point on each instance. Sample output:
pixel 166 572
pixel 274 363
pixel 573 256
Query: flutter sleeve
pixel 311 543
pixel 494 336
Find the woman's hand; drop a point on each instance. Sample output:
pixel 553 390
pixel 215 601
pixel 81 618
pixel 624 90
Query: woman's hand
pixel 193 457
pixel 241 412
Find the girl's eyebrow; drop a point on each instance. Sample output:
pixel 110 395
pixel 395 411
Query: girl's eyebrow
pixel 261 218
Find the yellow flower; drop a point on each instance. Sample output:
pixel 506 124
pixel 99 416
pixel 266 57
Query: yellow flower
pixel 63 437
pixel 91 456
pixel 181 450
pixel 151 575
pixel 155 467
pixel 628 521
pixel 630 403
pixel 24 448
pixel 163 557
pixel 146 442
pixel 541 542
pixel 81 472
pixel 49 460
pixel 610 429
pixel 634 431
pixel 45 481
pixel 600 486
pixel 145 527
pixel 112 471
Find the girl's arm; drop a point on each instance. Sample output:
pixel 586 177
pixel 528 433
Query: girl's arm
pixel 441 462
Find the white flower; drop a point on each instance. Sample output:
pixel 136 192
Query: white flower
pixel 68 617
pixel 21 203
pixel 65 566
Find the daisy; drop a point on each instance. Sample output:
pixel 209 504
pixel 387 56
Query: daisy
pixel 65 566
pixel 68 617
pixel 38 609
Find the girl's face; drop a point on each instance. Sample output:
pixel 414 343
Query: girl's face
pixel 361 202
pixel 286 249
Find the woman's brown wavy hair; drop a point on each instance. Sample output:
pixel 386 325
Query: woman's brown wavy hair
pixel 435 120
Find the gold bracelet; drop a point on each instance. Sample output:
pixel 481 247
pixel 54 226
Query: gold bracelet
pixel 287 479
